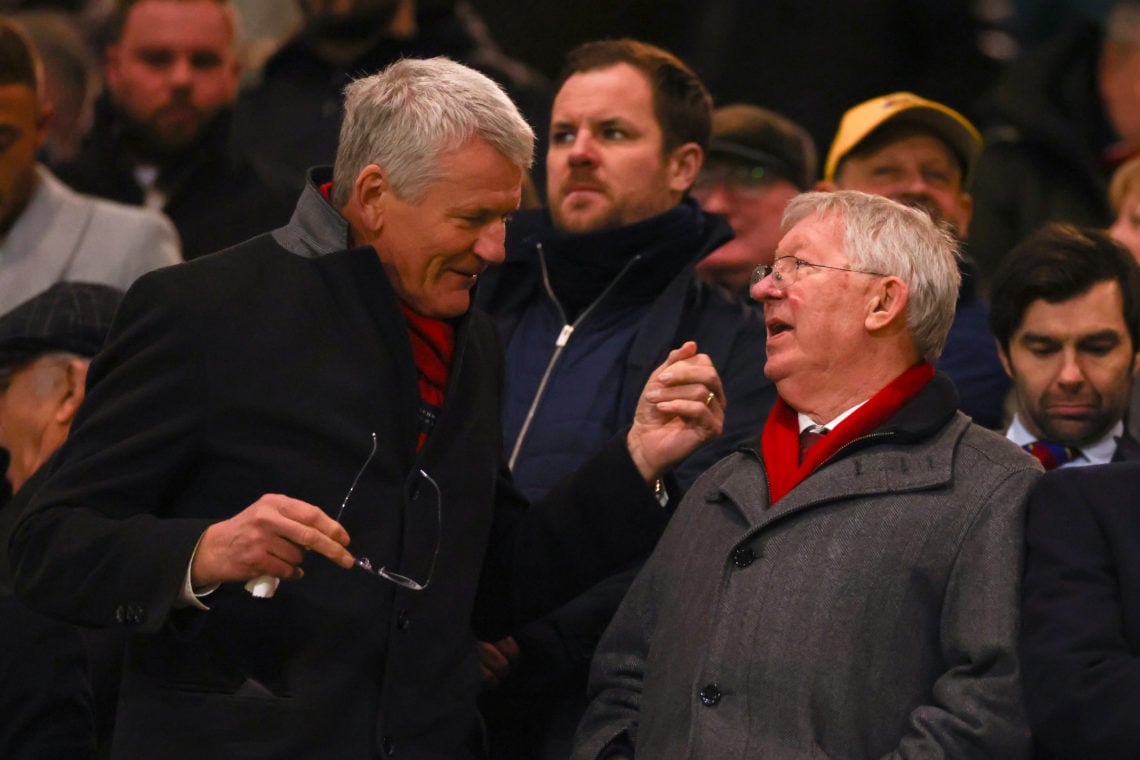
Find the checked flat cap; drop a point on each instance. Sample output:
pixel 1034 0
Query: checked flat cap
pixel 69 316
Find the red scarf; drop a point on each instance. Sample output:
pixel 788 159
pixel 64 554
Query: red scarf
pixel 433 342
pixel 780 441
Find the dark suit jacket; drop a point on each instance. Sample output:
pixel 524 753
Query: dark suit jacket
pixel 260 371
pixel 1080 628
pixel 1127 449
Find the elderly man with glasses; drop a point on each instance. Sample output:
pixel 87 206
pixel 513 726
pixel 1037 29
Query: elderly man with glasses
pixel 319 404
pixel 849 588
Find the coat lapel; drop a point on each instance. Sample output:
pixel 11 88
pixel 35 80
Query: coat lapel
pixel 880 470
pixel 357 282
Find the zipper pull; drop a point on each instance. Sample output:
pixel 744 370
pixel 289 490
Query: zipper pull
pixel 564 335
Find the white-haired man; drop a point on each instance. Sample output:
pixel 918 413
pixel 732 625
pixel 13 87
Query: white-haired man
pixel 255 410
pixel 855 597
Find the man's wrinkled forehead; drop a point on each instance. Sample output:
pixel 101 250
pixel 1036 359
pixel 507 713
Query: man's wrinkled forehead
pixel 802 235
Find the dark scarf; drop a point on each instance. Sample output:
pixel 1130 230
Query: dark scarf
pixel 582 265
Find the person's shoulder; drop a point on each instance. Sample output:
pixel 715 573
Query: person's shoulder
pixel 240 266
pixel 739 466
pixel 1105 494
pixel 127 218
pixel 103 209
pixel 1115 479
pixel 989 448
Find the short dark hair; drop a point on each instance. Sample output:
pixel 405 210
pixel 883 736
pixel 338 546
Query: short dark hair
pixel 1056 263
pixel 681 102
pixel 17 56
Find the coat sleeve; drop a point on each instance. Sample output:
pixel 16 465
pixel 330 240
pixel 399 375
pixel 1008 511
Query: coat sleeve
pixel 591 525
pixel 609 726
pixel 1082 677
pixel 975 705
pixel 97 546
pixel 45 692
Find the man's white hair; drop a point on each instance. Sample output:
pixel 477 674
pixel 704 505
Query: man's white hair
pixel 413 112
pixel 881 235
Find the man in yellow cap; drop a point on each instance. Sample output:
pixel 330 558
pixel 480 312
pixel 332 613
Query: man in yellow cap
pixel 920 153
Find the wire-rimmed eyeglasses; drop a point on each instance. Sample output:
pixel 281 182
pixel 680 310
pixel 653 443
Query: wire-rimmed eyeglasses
pixel 421 505
pixel 785 269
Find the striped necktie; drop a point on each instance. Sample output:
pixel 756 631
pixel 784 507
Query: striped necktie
pixel 1051 455
pixel 809 437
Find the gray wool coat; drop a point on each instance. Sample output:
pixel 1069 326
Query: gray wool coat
pixel 872 612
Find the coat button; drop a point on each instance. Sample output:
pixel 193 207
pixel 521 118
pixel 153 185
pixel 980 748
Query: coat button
pixel 388 746
pixel 403 620
pixel 710 695
pixel 743 557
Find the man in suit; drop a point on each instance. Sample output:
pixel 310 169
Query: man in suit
pixel 1066 317
pixel 1080 631
pixel 46 689
pixel 50 232
pixel 850 586
pixel 242 397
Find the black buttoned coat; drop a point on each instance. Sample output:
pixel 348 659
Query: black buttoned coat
pixel 261 371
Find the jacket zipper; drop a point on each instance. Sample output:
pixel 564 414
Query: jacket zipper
pixel 559 343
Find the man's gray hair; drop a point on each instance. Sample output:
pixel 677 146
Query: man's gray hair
pixel 411 113
pixel 881 235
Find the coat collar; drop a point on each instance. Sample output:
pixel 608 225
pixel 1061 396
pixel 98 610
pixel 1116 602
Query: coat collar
pixel 316 228
pixel 913 451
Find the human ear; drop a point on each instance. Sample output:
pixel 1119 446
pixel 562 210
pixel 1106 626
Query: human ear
pixel 1003 357
pixel 73 392
pixel 888 302
pixel 966 204
pixel 684 164
pixel 369 197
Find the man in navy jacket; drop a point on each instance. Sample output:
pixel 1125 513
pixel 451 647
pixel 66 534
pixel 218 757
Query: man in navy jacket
pixel 596 290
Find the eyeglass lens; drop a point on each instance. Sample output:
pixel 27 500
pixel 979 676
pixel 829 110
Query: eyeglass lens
pixel 738 176
pixel 783 269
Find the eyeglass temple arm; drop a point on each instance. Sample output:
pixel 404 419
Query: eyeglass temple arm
pixel 265 586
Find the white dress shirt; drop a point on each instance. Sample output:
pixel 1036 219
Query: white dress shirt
pixel 1099 452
